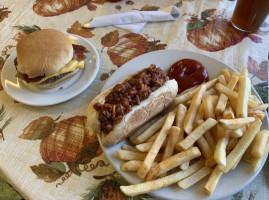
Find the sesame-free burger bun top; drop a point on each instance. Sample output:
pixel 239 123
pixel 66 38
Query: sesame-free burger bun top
pixel 43 52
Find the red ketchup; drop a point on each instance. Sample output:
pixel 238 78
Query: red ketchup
pixel 188 73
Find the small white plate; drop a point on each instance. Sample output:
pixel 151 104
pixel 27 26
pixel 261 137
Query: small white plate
pixel 34 96
pixel 230 183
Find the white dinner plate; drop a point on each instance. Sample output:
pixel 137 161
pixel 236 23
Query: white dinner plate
pixel 230 183
pixel 32 95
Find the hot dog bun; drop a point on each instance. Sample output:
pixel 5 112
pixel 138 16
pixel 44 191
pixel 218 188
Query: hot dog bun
pixel 139 115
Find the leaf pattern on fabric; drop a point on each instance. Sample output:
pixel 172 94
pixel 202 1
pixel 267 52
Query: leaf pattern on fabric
pixel 262 89
pixel 3 12
pixel 212 32
pixel 7 192
pixel 77 29
pixel 38 129
pixel 67 140
pixel 129 46
pixel 2 62
pixel 6 121
pixel 48 173
pixel 258 69
pixel 27 29
pixel 47 8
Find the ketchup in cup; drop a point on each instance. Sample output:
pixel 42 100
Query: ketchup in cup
pixel 188 73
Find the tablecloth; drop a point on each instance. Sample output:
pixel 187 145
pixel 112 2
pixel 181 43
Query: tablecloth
pixel 204 27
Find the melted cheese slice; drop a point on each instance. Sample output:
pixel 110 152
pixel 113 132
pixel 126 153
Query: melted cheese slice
pixel 71 66
pixel 71 39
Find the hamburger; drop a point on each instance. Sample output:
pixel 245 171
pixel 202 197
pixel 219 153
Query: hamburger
pixel 47 58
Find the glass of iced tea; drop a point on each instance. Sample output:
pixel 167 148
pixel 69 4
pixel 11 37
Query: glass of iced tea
pixel 250 14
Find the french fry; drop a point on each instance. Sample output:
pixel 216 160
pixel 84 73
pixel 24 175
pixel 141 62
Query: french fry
pixel 242 145
pixel 146 187
pixel 172 162
pixel 192 111
pixel 231 144
pixel 188 95
pixel 234 73
pixel 262 107
pixel 259 144
pixel 247 155
pixel 171 142
pixel 256 163
pixel 188 103
pixel 232 95
pixel 180 116
pixel 255 98
pixel 211 91
pixel 185 165
pixel 210 140
pixel 204 147
pixel 228 112
pixel 256 113
pixel 237 133
pixel 150 131
pixel 244 72
pixel 236 163
pixel 233 104
pixel 222 79
pixel 153 137
pixel 144 147
pixel 222 132
pixel 132 155
pixel 145 167
pixel 232 124
pixel 210 162
pixel 194 178
pixel 222 101
pixel 213 181
pixel 203 144
pixel 243 97
pixel 128 147
pixel 220 151
pixel 141 130
pixel 208 107
pixel 200 114
pixel 131 166
pixel 196 134
pixel 226 74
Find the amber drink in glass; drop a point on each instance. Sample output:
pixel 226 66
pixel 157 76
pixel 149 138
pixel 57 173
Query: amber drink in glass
pixel 250 14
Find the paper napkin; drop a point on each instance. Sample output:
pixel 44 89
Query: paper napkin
pixel 135 21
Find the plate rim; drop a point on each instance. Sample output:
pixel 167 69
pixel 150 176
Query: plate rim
pixel 62 100
pixel 105 87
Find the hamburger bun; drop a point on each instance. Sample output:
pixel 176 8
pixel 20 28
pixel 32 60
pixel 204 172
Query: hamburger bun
pixel 45 58
pixel 43 52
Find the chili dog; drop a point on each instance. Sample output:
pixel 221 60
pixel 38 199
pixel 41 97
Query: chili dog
pixel 117 112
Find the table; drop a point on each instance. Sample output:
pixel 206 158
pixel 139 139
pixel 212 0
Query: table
pixel 204 27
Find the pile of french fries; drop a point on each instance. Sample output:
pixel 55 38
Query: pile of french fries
pixel 211 128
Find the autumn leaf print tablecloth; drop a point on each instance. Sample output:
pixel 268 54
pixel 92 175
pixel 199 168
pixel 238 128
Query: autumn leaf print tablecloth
pixel 48 152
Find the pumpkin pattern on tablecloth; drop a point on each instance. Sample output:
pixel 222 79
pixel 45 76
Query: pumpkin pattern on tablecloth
pixel 109 188
pixel 67 141
pixel 123 48
pixel 212 32
pixel 47 8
